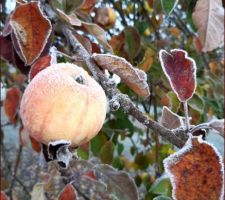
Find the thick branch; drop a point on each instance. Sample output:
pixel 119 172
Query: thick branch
pixel 177 138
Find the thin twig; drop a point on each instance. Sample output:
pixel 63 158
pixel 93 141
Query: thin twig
pixel 126 104
pixel 187 123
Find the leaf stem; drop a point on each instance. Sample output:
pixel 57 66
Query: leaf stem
pixel 187 122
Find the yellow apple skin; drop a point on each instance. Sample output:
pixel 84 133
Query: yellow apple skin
pixel 55 106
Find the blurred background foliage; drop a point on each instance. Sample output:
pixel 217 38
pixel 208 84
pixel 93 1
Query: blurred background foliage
pixel 137 30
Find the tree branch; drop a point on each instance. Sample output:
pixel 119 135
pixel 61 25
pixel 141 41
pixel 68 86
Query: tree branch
pixel 178 138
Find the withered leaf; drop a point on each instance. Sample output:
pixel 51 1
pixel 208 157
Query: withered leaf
pixel 68 193
pixel 170 119
pixel 11 103
pixel 32 29
pixel 97 32
pixel 196 171
pixel 72 18
pixel 208 17
pixel 181 72
pixel 136 79
pixel 119 183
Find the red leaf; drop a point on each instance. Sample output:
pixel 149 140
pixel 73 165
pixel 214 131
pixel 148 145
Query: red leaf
pixel 3 196
pixel 196 171
pixel 68 193
pixel 36 146
pixel 181 72
pixel 31 29
pixel 40 64
pixel 6 49
pixel 11 103
pixel 90 174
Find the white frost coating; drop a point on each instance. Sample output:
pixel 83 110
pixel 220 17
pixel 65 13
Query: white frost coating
pixel 174 158
pixel 53 54
pixel 167 75
pixel 142 76
pixel 18 39
pixel 57 142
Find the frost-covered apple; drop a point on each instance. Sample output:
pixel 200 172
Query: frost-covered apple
pixel 63 102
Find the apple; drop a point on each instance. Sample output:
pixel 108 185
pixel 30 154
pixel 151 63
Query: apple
pixel 63 102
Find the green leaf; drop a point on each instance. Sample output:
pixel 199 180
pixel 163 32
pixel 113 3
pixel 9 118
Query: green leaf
pixel 196 103
pixel 169 5
pixel 162 186
pixel 120 148
pixel 162 197
pixel 106 152
pixel 97 142
pixel 67 6
pixel 82 153
pixel 174 101
pixel 133 42
pixel 142 160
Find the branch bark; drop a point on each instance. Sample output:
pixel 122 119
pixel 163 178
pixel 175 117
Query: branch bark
pixel 178 138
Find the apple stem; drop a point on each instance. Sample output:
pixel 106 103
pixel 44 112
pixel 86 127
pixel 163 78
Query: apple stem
pixel 187 122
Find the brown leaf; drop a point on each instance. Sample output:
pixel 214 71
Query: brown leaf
pixel 36 146
pixel 147 61
pixel 208 17
pixel 68 193
pixel 3 196
pixel 84 41
pixel 99 33
pixel 40 64
pixel 170 119
pixel 136 79
pixel 196 171
pixel 32 29
pixel 11 103
pixel 197 44
pixel 87 6
pixel 72 18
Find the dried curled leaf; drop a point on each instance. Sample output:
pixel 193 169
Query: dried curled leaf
pixel 11 103
pixel 181 72
pixel 32 29
pixel 208 17
pixel 196 171
pixel 136 79
pixel 170 119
